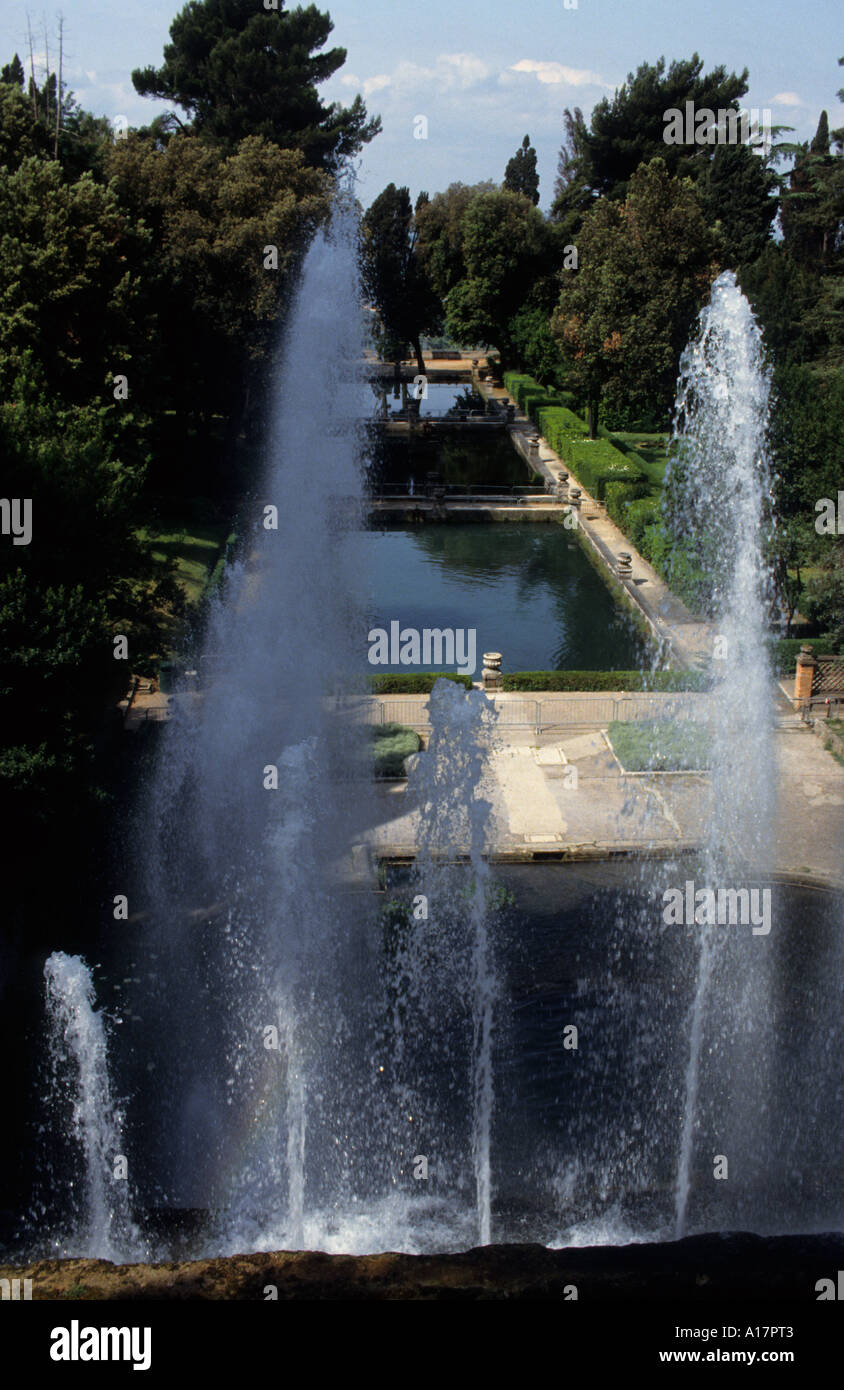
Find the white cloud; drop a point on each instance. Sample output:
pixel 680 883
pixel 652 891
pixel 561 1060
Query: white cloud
pixel 451 72
pixel 367 85
pixel 554 74
pixel 787 99
pixel 462 69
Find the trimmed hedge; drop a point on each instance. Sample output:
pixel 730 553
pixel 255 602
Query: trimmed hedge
pixel 422 683
pixel 594 462
pixel 561 427
pixel 618 497
pixel 640 514
pixel 667 681
pixel 516 382
pixel 784 651
pixel 531 397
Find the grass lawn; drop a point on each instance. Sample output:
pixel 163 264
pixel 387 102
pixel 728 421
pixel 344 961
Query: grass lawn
pixel 195 547
pixel 807 572
pixel 660 745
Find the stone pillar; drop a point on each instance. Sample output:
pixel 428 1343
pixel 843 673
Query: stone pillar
pixel 491 673
pixel 804 678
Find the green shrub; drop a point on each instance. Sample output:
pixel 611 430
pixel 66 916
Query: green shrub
pixel 669 681
pixel 420 683
pixel 660 745
pixel 391 744
pixel 559 425
pixel 536 401
pixel 784 651
pixel 518 383
pixel 529 395
pixel 641 513
pixel 618 497
pixel 594 462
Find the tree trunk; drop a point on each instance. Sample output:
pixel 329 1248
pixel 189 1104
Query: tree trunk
pixel 420 361
pixel 593 417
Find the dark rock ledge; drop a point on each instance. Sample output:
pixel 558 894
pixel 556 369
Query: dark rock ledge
pixel 709 1267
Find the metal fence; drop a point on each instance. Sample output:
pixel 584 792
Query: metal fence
pixel 548 712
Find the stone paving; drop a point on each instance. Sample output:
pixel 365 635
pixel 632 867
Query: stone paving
pixel 538 808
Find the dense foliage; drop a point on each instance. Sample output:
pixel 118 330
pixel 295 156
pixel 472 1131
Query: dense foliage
pixel 143 276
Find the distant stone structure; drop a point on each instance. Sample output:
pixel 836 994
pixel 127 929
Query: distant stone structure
pixel 817 678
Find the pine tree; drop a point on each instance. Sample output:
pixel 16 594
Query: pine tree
pixel 520 176
pixel 13 72
pixel 813 205
pixel 239 70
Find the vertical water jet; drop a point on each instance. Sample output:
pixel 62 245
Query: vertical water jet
pixel 717 491
pixel 79 1074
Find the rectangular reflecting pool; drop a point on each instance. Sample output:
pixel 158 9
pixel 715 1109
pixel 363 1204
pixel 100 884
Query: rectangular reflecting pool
pixel 529 590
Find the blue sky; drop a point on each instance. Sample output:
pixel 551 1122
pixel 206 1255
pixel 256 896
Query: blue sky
pixel 482 74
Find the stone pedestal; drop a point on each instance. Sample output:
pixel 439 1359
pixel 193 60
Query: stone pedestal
pixel 804 678
pixel 575 495
pixel 491 673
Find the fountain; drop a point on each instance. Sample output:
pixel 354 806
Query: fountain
pixel 79 1073
pixel 312 1065
pixel 263 964
pixel 447 958
pixel 718 489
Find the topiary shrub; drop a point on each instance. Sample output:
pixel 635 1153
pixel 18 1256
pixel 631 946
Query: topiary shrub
pixel 391 744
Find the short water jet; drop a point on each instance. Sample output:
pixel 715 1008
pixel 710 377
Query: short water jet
pixel 79 1073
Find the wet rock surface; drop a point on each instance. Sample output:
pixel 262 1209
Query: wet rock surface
pixel 709 1267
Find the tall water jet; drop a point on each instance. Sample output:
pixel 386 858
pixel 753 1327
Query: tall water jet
pixel 718 492
pixel 79 1073
pixel 254 805
pixel 448 959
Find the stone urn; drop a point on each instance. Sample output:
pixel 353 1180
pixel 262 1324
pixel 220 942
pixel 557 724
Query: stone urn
pixel 491 673
pixel 624 564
